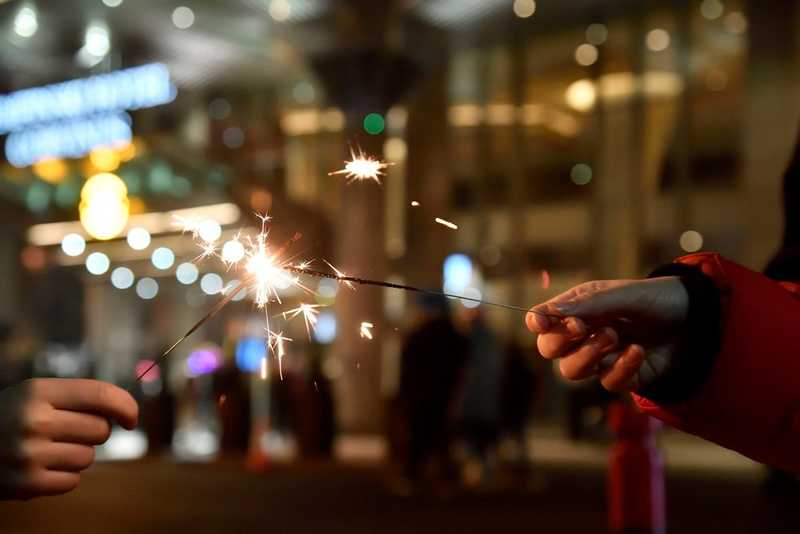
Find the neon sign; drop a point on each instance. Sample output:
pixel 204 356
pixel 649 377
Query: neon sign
pixel 69 119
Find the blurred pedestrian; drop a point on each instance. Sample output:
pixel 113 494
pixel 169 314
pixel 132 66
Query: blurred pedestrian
pixel 431 367
pixel 479 410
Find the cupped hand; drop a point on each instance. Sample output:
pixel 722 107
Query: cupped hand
pixel 48 430
pixel 626 331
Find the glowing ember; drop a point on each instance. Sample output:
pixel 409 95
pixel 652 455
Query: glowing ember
pixel 446 223
pixel 309 313
pixel 264 368
pixel 366 330
pixel 362 167
pixel 414 203
pixel 277 342
pixel 545 280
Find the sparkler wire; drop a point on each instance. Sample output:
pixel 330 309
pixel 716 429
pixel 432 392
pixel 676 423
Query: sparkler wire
pixel 341 278
pixel 211 313
pixel 403 287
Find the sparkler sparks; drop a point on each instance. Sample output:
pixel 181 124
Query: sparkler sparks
pixel 362 167
pixel 269 271
pixel 446 223
pixel 310 315
pixel 366 330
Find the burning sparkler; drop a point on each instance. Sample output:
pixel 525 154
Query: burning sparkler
pixel 362 167
pixel 269 271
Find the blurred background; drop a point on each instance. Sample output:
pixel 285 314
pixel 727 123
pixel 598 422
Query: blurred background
pixel 565 141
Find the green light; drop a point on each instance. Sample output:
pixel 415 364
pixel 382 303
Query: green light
pixel 581 174
pixel 374 123
pixel 37 198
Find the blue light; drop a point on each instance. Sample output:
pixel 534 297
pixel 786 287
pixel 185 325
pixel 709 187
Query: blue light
pixel 249 352
pixel 127 89
pixel 71 139
pixel 325 331
pixel 457 272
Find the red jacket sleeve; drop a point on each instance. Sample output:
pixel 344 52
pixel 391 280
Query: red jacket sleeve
pixel 751 401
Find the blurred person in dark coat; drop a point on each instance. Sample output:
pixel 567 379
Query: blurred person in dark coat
pixel 431 368
pixel 480 401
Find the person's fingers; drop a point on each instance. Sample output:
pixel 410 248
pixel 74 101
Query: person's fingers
pixel 582 362
pixel 622 375
pixel 561 338
pixel 44 482
pixel 89 396
pixel 58 456
pixel 595 300
pixel 77 427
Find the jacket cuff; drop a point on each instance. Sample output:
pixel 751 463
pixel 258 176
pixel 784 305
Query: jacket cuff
pixel 695 358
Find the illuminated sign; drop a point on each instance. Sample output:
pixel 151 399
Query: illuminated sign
pixel 69 119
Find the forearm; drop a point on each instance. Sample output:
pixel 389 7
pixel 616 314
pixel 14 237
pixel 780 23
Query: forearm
pixel 746 396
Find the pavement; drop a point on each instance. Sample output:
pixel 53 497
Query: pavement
pixel 351 495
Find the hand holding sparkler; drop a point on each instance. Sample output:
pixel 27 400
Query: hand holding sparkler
pixel 48 430
pixel 648 319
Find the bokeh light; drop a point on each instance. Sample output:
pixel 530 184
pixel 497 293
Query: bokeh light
pixel 691 241
pixel 51 170
pixel 138 238
pixel 249 353
pixel 735 22
pixel 209 230
pixel 26 23
pixel 596 34
pixel 187 273
pixel 105 159
pixel 122 278
pixel 325 331
pixel 183 17
pixel 280 10
pixel 147 288
pixel 657 40
pixel 232 251
pixel 233 137
pixel 104 206
pixel 162 258
pixel 711 9
pixel 73 244
pixel 581 174
pixel 457 272
pixel 211 283
pixel 524 8
pixel 586 54
pixel 471 293
pixel 97 263
pixel 374 123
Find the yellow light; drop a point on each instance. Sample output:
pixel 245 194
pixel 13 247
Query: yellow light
pixel 51 170
pixel 126 152
pixel 104 159
pixel 137 206
pixel 104 206
pixel 581 95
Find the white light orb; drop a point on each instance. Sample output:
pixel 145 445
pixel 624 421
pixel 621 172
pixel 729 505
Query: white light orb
pixel 162 258
pixel 97 263
pixel 73 245
pixel 147 288
pixel 138 238
pixel 122 278
pixel 211 283
pixel 187 273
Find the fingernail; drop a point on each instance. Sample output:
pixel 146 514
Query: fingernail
pixel 541 321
